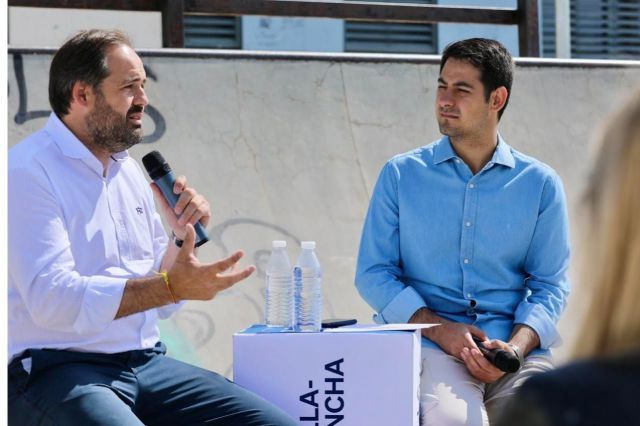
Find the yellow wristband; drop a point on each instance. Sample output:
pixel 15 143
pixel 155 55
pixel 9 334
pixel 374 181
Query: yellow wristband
pixel 165 278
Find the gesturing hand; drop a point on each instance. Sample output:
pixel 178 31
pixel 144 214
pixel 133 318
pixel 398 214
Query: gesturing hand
pixel 192 280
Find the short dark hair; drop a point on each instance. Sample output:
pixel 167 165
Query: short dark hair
pixel 490 57
pixel 81 58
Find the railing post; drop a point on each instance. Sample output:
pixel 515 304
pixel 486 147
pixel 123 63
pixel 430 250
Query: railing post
pixel 172 23
pixel 563 28
pixel 528 28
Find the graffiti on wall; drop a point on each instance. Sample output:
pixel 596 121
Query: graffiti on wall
pixel 24 114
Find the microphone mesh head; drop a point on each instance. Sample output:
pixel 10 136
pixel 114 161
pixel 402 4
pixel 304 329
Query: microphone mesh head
pixel 155 164
pixel 152 160
pixel 507 362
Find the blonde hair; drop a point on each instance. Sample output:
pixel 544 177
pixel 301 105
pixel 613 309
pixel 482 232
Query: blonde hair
pixel 612 263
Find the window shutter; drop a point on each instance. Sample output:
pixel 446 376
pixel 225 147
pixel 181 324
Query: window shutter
pixel 600 29
pixel 548 30
pixel 391 37
pixel 212 32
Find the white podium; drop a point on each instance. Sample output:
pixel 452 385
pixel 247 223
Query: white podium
pixel 345 376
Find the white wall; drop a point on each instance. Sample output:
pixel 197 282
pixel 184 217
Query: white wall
pixel 50 27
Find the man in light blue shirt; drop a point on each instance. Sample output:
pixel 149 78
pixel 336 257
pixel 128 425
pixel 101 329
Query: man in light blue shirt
pixel 470 234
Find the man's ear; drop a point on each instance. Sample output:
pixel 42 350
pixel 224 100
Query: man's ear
pixel 498 98
pixel 81 94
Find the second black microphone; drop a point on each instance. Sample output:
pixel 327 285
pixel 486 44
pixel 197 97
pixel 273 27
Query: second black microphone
pixel 503 360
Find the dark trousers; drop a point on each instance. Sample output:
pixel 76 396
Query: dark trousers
pixel 129 388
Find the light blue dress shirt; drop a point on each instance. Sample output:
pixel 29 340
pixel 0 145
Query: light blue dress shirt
pixel 490 249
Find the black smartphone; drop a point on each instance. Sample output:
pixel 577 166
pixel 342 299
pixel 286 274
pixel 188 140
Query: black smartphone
pixel 337 322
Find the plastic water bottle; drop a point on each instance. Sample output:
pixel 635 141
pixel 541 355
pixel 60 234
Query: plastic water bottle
pixel 307 277
pixel 279 288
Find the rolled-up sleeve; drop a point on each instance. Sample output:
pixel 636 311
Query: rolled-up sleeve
pixel 42 266
pixel 378 271
pixel 546 266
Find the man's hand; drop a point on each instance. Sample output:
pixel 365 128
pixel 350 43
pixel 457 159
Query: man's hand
pixel 452 337
pixel 188 280
pixel 192 280
pixel 456 339
pixel 479 366
pixel 190 208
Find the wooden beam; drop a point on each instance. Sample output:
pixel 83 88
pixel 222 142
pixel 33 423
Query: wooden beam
pixel 172 23
pixel 528 28
pixel 140 5
pixel 355 10
pixel 352 10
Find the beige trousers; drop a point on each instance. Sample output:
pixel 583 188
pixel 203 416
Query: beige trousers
pixel 450 396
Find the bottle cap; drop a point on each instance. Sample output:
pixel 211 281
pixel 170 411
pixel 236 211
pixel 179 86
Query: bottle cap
pixel 278 244
pixel 308 245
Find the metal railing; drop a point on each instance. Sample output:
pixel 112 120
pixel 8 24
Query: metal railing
pixel 525 16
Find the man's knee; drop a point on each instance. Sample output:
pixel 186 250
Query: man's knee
pixel 93 405
pixel 448 393
pixel 212 398
pixel 252 410
pixel 451 410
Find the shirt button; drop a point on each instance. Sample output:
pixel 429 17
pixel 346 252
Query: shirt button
pixel 468 224
pixel 471 186
pixel 466 261
pixel 457 160
pixel 469 295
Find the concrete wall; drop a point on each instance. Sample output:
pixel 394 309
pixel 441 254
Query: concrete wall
pixel 290 147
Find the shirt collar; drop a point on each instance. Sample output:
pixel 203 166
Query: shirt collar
pixel 503 155
pixel 443 151
pixel 120 156
pixel 70 145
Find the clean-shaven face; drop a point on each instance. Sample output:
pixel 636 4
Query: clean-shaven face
pixel 461 108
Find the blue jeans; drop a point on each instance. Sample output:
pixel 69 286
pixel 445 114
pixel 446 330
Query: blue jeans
pixel 129 388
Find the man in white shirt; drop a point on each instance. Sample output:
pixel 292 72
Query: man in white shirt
pixel 85 241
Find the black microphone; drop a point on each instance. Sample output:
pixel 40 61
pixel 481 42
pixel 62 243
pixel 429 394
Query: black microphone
pixel 160 172
pixel 503 360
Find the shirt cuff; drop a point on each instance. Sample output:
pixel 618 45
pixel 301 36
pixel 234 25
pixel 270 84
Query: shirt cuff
pixel 536 317
pixel 402 307
pixel 100 304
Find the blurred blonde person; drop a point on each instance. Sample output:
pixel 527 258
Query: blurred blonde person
pixel 602 387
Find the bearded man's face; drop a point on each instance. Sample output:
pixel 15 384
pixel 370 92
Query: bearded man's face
pixel 111 130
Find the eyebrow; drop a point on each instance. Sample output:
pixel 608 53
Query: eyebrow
pixel 132 80
pixel 457 83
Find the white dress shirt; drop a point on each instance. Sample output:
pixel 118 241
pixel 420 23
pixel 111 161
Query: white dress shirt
pixel 75 238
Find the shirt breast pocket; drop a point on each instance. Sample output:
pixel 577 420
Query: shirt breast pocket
pixel 138 241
